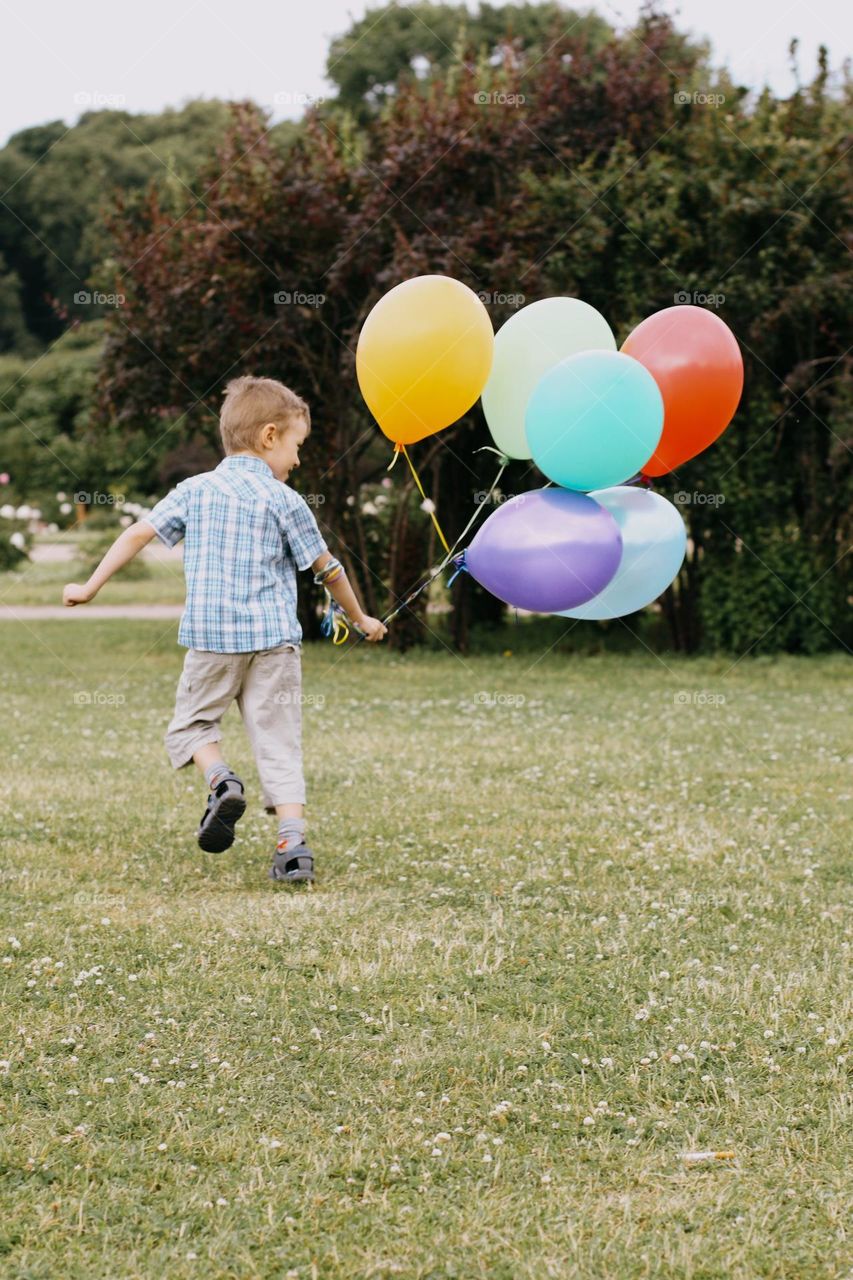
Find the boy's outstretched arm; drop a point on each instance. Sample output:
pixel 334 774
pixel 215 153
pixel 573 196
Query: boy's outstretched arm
pixel 341 591
pixel 125 547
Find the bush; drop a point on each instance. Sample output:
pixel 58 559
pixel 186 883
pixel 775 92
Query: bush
pixel 15 543
pixel 95 544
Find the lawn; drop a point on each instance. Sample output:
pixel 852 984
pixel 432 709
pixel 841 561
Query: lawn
pixel 575 917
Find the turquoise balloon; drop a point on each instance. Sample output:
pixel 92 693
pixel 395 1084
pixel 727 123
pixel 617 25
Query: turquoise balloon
pixel 654 540
pixel 593 420
pixel 530 343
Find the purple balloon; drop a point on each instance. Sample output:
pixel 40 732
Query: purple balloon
pixel 542 549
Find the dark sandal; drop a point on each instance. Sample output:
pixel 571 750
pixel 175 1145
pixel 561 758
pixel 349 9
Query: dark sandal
pixel 225 806
pixel 295 866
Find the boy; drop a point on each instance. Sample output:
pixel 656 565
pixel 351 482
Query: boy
pixel 246 533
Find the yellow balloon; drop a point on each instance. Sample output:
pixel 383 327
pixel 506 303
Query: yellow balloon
pixel 424 355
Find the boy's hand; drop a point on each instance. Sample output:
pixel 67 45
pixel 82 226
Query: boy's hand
pixel 73 594
pixel 373 629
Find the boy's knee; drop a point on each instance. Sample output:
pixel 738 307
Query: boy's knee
pixel 181 747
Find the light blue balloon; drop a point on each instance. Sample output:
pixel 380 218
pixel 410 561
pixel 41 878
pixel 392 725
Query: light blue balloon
pixel 594 419
pixel 654 540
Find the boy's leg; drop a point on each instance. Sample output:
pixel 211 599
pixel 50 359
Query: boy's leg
pixel 271 705
pixel 207 755
pixel 212 764
pixel 209 684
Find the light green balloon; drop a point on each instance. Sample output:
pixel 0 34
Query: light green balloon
pixel 526 347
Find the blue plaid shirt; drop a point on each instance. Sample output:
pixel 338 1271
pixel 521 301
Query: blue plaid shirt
pixel 246 535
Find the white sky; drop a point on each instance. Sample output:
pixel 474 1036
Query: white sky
pixel 60 59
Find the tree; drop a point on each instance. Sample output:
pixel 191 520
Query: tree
pixel 394 45
pixel 57 183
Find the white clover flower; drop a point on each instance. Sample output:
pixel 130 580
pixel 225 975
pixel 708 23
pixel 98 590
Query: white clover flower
pixel 18 540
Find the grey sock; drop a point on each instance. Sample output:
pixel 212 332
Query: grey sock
pixel 291 833
pixel 214 773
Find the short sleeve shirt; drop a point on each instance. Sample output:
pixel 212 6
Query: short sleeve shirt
pixel 245 535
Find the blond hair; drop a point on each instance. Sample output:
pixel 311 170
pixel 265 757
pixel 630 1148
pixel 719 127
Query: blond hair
pixel 250 403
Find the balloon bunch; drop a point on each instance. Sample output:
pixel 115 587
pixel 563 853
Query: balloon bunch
pixel 591 418
pixel 594 420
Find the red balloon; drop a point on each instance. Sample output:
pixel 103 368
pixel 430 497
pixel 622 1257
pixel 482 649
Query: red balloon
pixel 695 360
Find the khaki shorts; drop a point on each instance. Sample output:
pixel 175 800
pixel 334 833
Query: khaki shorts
pixel 267 687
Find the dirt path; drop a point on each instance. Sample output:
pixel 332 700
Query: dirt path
pixel 43 612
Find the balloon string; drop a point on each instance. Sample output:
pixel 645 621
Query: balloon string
pixel 488 448
pixel 461 567
pixel 402 449
pixel 336 623
pixel 505 461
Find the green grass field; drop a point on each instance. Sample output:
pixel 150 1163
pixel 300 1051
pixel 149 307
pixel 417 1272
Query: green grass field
pixel 575 917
